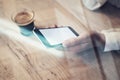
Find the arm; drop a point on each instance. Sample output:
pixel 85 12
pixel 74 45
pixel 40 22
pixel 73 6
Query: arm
pixel 93 4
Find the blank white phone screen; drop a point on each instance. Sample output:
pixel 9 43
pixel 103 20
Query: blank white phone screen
pixel 57 35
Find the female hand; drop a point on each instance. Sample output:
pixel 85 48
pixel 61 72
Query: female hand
pixel 87 40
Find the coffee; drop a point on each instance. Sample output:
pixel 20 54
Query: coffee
pixel 23 18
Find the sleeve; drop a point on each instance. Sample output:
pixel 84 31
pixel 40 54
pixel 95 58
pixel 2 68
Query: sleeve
pixel 112 40
pixel 115 3
pixel 93 4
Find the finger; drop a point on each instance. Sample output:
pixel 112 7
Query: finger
pixel 83 38
pixel 81 48
pixel 53 26
pixel 69 42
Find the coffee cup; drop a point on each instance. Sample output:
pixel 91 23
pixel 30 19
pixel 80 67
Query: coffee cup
pixel 24 18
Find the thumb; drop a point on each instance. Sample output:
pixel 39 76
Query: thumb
pixel 72 42
pixel 83 38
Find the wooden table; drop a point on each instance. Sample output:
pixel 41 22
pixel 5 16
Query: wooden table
pixel 21 60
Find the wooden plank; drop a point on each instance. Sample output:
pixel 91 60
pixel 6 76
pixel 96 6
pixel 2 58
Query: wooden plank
pixel 36 63
pixel 1 8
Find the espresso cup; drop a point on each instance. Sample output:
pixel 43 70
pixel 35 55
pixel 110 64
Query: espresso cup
pixel 24 18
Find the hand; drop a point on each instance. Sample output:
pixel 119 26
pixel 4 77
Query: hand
pixel 86 41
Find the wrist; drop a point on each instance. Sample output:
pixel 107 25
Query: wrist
pixel 98 40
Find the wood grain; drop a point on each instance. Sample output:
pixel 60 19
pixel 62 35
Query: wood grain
pixel 24 58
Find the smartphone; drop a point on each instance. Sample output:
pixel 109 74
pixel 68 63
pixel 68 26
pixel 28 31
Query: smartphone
pixel 55 36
